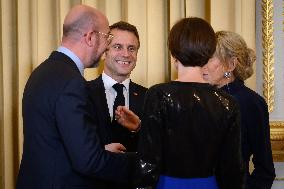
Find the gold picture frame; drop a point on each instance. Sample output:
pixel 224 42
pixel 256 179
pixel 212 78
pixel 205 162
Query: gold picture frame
pixel 276 127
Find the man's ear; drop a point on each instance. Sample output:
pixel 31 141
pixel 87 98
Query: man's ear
pixel 88 38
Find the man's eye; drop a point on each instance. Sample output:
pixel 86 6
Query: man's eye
pixel 117 47
pixel 132 49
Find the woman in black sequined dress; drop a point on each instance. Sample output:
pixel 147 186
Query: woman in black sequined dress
pixel 190 132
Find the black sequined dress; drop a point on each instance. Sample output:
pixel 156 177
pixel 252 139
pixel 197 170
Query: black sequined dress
pixel 189 130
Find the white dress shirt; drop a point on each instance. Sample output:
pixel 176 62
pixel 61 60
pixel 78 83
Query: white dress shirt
pixel 111 93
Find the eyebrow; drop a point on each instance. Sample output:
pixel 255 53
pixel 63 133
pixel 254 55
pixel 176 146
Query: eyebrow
pixel 125 45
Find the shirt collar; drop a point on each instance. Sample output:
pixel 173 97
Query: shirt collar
pixel 109 82
pixel 74 57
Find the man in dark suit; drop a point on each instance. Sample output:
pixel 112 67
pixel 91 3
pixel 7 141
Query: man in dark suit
pixel 61 145
pixel 120 60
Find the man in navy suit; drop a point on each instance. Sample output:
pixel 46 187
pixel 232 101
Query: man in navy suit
pixel 61 146
pixel 120 60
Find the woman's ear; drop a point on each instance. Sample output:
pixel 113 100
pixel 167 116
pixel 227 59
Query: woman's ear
pixel 175 62
pixel 232 64
pixel 103 57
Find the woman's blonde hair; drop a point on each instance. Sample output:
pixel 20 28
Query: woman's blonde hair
pixel 231 45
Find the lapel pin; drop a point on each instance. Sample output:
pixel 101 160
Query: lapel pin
pixel 135 94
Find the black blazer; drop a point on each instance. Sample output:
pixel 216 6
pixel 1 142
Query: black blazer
pixel 61 145
pixel 110 133
pixel 255 135
pixel 136 100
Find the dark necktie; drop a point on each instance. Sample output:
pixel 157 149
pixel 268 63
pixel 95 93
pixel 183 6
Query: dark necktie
pixel 119 99
pixel 119 133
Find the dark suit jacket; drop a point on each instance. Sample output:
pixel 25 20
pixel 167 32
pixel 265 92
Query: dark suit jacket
pixel 136 100
pixel 124 136
pixel 255 135
pixel 61 145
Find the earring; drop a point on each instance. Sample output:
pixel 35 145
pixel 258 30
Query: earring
pixel 227 75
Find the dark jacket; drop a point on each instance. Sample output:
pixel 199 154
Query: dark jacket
pixel 61 145
pixel 255 135
pixel 107 133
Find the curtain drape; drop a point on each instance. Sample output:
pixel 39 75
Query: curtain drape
pixel 31 29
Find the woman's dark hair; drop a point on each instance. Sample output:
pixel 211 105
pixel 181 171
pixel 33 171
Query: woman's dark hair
pixel 192 41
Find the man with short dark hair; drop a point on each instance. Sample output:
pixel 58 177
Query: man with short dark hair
pixel 114 88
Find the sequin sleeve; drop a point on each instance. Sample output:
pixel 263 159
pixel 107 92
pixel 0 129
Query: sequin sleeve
pixel 150 140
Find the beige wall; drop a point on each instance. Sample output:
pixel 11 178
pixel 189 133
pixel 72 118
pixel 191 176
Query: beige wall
pixel 31 29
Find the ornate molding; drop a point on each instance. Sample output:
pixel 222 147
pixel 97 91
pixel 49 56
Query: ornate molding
pixel 268 54
pixel 277 140
pixel 277 124
pixel 277 130
pixel 277 150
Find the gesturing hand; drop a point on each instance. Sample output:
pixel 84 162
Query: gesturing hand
pixel 127 118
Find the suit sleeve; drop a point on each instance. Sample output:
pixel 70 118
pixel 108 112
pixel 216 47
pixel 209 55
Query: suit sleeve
pixel 259 143
pixel 81 142
pixel 230 166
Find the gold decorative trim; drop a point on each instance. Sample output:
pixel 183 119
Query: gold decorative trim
pixel 277 124
pixel 268 54
pixel 277 130
pixel 277 140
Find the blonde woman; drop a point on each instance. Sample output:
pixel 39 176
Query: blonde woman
pixel 230 66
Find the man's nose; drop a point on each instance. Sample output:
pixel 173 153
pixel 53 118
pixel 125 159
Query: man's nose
pixel 125 52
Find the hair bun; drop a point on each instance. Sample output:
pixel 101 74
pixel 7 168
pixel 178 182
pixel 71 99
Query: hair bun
pixel 251 57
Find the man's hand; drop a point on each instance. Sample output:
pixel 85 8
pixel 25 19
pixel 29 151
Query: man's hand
pixel 127 118
pixel 115 147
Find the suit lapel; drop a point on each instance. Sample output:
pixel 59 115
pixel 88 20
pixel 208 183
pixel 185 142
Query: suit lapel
pixel 134 98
